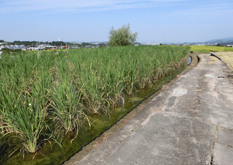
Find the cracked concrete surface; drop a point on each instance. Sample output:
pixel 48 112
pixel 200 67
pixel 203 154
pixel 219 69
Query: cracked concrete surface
pixel 188 123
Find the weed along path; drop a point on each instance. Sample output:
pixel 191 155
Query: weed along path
pixel 190 122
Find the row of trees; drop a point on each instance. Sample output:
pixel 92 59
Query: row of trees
pixel 54 43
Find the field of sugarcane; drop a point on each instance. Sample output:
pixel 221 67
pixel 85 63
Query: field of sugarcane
pixel 46 96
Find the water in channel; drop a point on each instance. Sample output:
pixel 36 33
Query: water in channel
pixel 53 154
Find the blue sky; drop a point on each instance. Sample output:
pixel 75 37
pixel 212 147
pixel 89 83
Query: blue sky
pixel 86 21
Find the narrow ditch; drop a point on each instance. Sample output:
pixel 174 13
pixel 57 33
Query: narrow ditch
pixel 192 61
pixel 212 54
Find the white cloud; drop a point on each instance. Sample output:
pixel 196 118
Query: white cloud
pixel 182 8
pixel 203 11
pixel 213 11
pixel 83 5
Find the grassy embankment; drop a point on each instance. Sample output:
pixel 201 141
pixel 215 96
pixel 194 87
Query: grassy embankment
pixel 46 96
pixel 227 57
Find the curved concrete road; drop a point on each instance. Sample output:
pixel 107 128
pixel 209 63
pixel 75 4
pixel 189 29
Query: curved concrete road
pixel 190 122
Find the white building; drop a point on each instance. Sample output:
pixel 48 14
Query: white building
pixel 1 47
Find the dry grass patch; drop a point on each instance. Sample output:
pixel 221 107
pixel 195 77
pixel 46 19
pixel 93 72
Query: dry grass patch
pixel 227 57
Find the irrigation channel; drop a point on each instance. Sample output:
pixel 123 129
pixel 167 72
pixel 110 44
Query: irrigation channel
pixel 54 154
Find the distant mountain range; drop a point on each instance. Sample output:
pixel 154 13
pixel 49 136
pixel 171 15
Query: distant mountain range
pixel 222 40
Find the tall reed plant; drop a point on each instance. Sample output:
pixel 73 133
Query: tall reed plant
pixel 47 95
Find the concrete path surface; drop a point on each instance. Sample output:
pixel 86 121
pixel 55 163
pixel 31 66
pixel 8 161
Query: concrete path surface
pixel 190 122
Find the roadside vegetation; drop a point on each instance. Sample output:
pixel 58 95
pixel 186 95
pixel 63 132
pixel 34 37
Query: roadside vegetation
pixel 45 96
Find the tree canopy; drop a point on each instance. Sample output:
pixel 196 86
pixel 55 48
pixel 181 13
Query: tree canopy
pixel 122 36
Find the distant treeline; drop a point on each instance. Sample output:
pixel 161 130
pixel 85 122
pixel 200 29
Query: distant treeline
pixel 36 43
pixel 53 43
pixel 5 50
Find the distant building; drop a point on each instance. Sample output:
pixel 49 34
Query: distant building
pixel 21 47
pixel 63 47
pixel 88 46
pixel 42 46
pixel 30 48
pixel 200 44
pixel 50 47
pixel 74 47
pixel 1 47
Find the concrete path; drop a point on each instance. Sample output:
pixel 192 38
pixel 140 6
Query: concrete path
pixel 191 122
